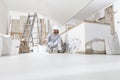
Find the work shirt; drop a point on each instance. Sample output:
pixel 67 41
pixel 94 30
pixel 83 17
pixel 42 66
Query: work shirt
pixel 54 38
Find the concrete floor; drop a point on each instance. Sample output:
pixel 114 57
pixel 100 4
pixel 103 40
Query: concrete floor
pixel 44 66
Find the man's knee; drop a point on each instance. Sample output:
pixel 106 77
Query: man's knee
pixel 52 45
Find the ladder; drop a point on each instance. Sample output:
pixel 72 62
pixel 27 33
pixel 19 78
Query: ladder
pixel 31 32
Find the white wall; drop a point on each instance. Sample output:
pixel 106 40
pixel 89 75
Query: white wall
pixel 88 31
pixel 96 30
pixel 97 15
pixel 17 14
pixel 77 33
pixel 95 34
pixel 3 17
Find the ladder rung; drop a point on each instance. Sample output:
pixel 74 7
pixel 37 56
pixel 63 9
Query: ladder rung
pixel 35 37
pixel 35 27
pixel 35 43
pixel 31 15
pixel 28 24
pixel 26 29
pixel 34 32
pixel 30 20
pixel 25 36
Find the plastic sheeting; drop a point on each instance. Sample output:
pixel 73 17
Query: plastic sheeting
pixel 10 46
pixel 73 45
pixel 112 45
pixel 1 46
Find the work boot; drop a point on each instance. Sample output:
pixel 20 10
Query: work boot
pixel 60 51
pixel 50 50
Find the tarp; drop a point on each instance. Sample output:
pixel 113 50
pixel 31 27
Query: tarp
pixel 10 46
pixel 1 46
pixel 112 44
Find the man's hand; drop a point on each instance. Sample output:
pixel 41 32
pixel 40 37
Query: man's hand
pixel 44 41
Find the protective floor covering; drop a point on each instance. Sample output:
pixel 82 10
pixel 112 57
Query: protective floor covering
pixel 44 66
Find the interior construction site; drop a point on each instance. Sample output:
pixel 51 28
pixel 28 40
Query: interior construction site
pixel 59 39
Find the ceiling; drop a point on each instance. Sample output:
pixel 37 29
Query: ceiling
pixel 59 10
pixel 92 8
pixel 62 11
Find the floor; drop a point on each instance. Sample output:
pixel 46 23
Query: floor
pixel 44 66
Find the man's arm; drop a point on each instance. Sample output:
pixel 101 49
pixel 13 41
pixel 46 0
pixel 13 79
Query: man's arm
pixel 47 39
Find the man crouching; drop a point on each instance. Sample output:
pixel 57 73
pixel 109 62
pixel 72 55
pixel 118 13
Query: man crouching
pixel 54 41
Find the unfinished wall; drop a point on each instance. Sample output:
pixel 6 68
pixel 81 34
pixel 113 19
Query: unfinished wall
pixel 43 30
pixel 116 7
pixel 88 33
pixel 104 16
pixel 109 18
pixel 49 21
pixel 19 19
pixel 63 31
pixel 15 25
pixel 96 16
pixel 77 33
pixel 22 23
pixel 95 34
pixel 3 17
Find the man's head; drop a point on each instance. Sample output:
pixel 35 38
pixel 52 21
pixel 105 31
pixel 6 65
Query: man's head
pixel 55 29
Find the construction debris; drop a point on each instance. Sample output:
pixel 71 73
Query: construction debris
pixel 24 48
